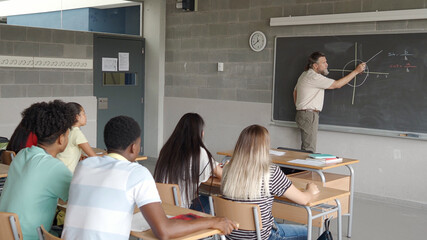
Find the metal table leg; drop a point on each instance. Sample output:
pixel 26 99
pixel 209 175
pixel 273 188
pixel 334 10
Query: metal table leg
pixel 350 207
pixel 339 223
pixel 309 222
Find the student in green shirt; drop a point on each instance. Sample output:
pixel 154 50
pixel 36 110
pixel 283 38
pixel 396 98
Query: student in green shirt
pixel 36 178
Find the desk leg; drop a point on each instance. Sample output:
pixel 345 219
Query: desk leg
pixel 339 224
pixel 309 222
pixel 350 207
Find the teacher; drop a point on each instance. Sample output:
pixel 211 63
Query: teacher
pixel 309 93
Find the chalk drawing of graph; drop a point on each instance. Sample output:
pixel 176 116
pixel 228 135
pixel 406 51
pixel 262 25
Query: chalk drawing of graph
pixel 351 65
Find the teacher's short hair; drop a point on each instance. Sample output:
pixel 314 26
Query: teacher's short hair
pixel 313 58
pixel 120 132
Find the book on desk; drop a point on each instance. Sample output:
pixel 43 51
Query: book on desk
pixel 324 158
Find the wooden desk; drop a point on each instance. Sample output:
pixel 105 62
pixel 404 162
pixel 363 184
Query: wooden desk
pixel 283 161
pixel 316 208
pixel 3 170
pixel 292 155
pixel 102 151
pixel 173 210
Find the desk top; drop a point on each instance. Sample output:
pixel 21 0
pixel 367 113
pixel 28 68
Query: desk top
pixel 3 170
pixel 173 210
pixel 292 155
pixel 102 151
pixel 326 194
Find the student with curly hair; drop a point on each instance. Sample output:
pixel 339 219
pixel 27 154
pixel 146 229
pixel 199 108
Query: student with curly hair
pixel 184 160
pixel 77 142
pixel 24 135
pixel 36 178
pixel 110 186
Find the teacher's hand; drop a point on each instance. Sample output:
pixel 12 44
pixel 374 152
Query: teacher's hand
pixel 361 67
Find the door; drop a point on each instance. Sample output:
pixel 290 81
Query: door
pixel 118 89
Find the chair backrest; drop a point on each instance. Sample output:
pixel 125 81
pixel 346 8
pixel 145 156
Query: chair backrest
pixel 10 228
pixel 7 157
pixel 45 235
pixel 169 193
pixel 247 215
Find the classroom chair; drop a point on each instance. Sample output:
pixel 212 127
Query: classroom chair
pixel 45 235
pixel 7 157
pixel 247 215
pixel 169 193
pixel 10 228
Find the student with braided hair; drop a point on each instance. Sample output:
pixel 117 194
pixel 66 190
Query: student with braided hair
pixel 36 178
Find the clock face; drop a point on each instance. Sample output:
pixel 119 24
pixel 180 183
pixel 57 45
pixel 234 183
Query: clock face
pixel 257 41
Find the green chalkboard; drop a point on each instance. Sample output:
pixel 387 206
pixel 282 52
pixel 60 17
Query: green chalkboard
pixel 391 97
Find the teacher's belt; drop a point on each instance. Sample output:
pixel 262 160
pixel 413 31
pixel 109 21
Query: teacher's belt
pixel 309 110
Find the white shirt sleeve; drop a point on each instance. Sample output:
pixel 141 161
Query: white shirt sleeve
pixel 142 187
pixel 320 81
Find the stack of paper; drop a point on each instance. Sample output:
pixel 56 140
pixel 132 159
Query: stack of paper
pixel 139 224
pixel 311 162
pixel 277 153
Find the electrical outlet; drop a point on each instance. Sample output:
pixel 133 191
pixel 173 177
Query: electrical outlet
pixel 397 154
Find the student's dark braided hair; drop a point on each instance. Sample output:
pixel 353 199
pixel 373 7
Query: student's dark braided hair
pixel 53 119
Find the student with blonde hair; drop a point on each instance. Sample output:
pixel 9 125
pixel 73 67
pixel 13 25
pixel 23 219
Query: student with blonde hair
pixel 251 177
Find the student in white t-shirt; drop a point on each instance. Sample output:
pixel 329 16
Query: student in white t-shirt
pixel 76 140
pixel 184 160
pixel 105 189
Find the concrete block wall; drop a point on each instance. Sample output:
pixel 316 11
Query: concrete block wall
pixel 220 30
pixel 39 42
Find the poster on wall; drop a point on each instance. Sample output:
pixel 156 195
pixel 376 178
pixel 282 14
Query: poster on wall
pixel 123 61
pixel 109 64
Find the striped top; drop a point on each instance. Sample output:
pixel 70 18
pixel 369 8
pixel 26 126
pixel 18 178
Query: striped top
pixel 102 198
pixel 279 183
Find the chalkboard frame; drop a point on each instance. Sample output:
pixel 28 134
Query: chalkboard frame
pixel 338 128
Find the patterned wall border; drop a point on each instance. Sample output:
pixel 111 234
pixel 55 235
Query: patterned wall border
pixel 40 62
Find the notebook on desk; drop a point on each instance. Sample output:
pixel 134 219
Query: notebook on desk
pixel 321 155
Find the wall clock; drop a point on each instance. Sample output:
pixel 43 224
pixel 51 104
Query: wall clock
pixel 257 41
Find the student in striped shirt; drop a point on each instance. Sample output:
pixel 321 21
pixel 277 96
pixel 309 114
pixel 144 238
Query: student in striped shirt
pixel 105 189
pixel 251 177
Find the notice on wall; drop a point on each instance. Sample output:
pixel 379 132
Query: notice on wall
pixel 109 64
pixel 123 61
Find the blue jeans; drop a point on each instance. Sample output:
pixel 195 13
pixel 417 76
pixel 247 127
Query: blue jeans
pixel 201 204
pixel 288 232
